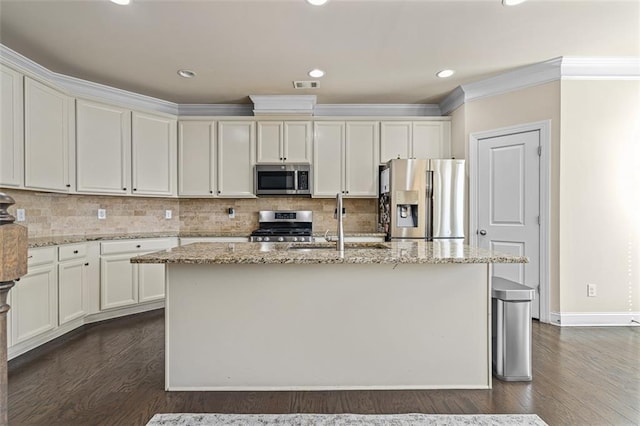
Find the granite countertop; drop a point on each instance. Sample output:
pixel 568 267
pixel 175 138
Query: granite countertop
pixel 359 253
pixel 55 240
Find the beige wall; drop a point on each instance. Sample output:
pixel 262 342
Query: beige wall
pixel 61 214
pixel 528 105
pixel 600 196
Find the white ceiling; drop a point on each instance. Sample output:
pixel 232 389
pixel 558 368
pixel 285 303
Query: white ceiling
pixel 373 51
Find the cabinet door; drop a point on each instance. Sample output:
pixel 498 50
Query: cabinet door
pixel 361 159
pixel 269 142
pixel 118 282
pixel 236 141
pixel 154 142
pixel 431 139
pixel 47 117
pixel 328 161
pixel 395 140
pixel 35 303
pixel 150 282
pixel 11 128
pixel 196 158
pixel 103 148
pixel 297 142
pixel 72 291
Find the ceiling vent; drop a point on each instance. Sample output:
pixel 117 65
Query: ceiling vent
pixel 306 84
pixel 283 104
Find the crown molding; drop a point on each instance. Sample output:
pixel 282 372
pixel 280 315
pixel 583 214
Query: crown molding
pixel 83 88
pixel 601 68
pixel 541 73
pixel 236 110
pixel 386 110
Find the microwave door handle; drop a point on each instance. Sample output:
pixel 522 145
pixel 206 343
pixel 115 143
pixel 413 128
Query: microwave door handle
pixel 295 180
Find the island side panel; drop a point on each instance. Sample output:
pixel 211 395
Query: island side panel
pixel 340 326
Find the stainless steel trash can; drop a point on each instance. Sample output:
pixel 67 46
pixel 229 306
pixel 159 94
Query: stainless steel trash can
pixel 511 329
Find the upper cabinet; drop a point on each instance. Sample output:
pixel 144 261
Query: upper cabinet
pixel 283 142
pixel 415 139
pixel 236 142
pixel 345 159
pixel 154 147
pixel 11 128
pixel 48 136
pixel 103 148
pixel 197 158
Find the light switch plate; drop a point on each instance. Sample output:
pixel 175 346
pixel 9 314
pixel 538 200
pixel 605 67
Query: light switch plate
pixel 21 215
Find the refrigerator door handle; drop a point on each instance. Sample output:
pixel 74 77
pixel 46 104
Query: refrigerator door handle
pixel 429 207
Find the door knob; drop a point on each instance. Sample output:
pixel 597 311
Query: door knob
pixel 483 232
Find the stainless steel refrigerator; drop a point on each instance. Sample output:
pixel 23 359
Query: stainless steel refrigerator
pixel 422 199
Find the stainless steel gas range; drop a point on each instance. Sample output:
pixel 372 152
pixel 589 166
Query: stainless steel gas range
pixel 284 226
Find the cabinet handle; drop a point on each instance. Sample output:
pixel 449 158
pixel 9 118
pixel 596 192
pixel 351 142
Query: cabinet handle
pixel 135 189
pixel 124 189
pixel 210 192
pixel 347 192
pixel 285 158
pixel 86 264
pixel 29 257
pixel 138 246
pixel 218 192
pixel 68 185
pixel 75 252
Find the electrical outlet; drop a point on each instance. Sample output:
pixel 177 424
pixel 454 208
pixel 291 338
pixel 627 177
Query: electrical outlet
pixel 232 213
pixel 167 214
pixel 21 216
pixel 102 213
pixel 591 290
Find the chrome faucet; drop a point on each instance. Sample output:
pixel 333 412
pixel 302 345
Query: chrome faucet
pixel 340 242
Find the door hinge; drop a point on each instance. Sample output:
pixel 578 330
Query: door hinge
pixel 539 151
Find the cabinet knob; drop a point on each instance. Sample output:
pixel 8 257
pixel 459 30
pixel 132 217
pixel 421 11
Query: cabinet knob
pixel 68 185
pixel 218 192
pixel 138 246
pixel 347 192
pixel 75 252
pixel 285 158
pixel 135 189
pixel 124 189
pixel 86 264
pixel 210 192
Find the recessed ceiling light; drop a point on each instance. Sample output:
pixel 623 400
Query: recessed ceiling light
pixel 317 2
pixel 121 2
pixel 316 73
pixel 186 73
pixel 445 73
pixel 512 2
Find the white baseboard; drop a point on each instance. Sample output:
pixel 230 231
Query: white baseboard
pixel 594 319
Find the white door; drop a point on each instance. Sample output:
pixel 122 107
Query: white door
pixel 297 142
pixel 509 204
pixel 328 161
pixel 196 158
pixel 72 291
pixel 361 159
pixel 236 145
pixel 11 127
pixel 118 281
pixel 150 282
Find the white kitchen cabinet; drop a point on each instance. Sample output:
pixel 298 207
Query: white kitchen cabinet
pixel 48 135
pixel 236 142
pixel 345 159
pixel 11 128
pixel 415 139
pixel 431 139
pixel 103 148
pixel 35 297
pixel 395 140
pixel 197 158
pixel 154 151
pixel 123 283
pixel 284 142
pixel 72 282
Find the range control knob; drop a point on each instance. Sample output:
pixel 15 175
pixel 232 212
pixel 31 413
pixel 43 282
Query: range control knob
pixel 281 239
pixel 258 239
pixel 295 239
pixel 266 239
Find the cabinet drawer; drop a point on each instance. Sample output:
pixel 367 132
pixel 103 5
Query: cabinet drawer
pixel 73 251
pixel 129 246
pixel 41 256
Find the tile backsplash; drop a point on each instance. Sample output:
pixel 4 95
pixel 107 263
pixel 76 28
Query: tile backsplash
pixel 50 214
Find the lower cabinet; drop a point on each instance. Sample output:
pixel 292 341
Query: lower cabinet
pixel 34 298
pixel 72 288
pixel 123 283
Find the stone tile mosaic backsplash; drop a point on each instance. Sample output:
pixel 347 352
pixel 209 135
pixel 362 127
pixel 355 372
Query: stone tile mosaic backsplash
pixel 50 214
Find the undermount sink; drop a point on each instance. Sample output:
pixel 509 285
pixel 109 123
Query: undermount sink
pixel 332 246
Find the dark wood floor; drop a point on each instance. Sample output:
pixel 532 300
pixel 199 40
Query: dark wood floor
pixel 112 373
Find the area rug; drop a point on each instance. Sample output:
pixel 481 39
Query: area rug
pixel 345 420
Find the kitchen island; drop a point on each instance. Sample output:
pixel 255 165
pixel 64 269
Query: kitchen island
pixel 279 316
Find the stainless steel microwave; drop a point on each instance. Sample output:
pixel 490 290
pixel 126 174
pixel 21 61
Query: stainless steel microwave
pixel 282 179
